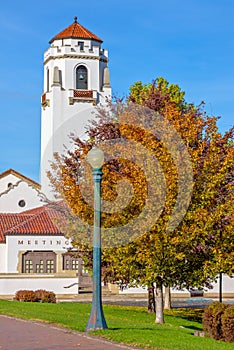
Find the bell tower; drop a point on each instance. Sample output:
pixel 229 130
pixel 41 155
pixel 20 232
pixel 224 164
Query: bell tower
pixel 76 79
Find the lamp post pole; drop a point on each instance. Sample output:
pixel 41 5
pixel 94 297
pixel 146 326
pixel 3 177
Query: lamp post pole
pixel 96 318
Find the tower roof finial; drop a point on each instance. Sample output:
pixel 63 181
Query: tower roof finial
pixel 75 30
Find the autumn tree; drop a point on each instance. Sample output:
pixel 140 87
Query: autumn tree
pixel 206 251
pixel 163 224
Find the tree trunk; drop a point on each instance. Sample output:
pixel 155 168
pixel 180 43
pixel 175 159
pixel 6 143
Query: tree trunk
pixel 159 303
pixel 151 300
pixel 167 301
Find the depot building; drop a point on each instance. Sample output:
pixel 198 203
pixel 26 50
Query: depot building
pixel 35 254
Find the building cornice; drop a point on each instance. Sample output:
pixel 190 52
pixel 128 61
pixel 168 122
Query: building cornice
pixel 99 58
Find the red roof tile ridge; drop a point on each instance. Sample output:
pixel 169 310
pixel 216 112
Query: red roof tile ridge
pixel 16 214
pixel 52 212
pixel 33 211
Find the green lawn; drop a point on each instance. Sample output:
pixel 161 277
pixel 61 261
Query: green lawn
pixel 130 325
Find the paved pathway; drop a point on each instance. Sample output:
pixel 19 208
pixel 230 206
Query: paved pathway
pixel 17 334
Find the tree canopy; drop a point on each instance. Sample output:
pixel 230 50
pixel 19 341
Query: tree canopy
pixel 167 189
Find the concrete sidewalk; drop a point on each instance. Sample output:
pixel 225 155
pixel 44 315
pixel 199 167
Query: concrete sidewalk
pixel 142 300
pixel 18 334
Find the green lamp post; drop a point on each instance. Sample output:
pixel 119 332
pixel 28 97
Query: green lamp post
pixel 96 320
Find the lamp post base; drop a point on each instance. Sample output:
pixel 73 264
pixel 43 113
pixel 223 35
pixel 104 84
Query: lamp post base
pixel 96 320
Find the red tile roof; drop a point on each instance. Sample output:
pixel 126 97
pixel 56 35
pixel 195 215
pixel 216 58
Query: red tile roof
pixel 76 31
pixel 9 220
pixel 36 224
pixel 21 176
pixel 39 221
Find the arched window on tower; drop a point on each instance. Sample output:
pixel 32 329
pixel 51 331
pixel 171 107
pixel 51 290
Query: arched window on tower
pixel 81 78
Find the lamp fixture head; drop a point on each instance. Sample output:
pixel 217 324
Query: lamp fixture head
pixel 95 157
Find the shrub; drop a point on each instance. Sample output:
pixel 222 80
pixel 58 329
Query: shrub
pixel 25 295
pixel 49 297
pixel 228 324
pixel 39 295
pixel 212 320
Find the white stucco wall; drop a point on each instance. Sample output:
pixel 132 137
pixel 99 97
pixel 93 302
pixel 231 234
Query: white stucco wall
pixel 9 285
pixel 8 179
pixel 227 288
pixel 15 244
pixel 3 262
pixel 9 199
pixel 12 280
pixel 227 285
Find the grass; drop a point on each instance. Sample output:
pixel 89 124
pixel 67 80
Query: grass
pixel 129 325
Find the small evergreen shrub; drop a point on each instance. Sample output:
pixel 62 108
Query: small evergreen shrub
pixel 212 320
pixel 39 295
pixel 48 297
pixel 228 324
pixel 25 295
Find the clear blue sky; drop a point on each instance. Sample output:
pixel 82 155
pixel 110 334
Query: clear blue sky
pixel 188 42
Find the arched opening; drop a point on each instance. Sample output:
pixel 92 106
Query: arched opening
pixel 81 78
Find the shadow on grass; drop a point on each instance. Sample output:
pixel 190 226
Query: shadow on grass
pixel 187 314
pixel 192 328
pixel 130 329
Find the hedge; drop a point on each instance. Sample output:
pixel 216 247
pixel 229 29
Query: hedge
pixel 39 295
pixel 218 321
